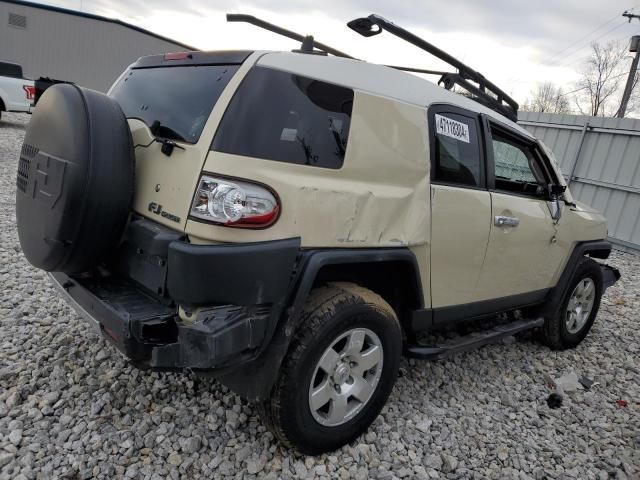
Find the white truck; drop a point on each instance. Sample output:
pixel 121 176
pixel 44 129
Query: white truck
pixel 16 92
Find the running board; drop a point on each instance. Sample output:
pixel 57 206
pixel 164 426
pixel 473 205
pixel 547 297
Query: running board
pixel 473 341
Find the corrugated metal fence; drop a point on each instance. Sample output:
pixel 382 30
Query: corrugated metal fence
pixel 600 158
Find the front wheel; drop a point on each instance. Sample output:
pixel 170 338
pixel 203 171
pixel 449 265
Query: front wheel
pixel 340 369
pixel 569 325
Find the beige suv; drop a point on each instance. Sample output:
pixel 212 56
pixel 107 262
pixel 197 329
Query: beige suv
pixel 293 222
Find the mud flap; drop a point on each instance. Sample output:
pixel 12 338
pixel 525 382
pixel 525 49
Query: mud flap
pixel 610 275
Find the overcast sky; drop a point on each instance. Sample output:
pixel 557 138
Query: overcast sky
pixel 514 43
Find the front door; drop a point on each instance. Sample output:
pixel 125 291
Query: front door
pixel 524 253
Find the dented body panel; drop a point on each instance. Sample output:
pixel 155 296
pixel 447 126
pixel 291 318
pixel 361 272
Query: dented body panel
pixel 380 197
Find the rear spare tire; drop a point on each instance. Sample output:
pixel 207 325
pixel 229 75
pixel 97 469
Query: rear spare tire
pixel 75 180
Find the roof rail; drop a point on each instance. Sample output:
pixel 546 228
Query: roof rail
pixel 484 91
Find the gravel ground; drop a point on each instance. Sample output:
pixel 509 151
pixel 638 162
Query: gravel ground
pixel 70 407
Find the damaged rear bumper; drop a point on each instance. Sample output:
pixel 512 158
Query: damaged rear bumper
pixel 235 295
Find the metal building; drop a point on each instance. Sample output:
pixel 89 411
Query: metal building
pixel 600 158
pixel 89 50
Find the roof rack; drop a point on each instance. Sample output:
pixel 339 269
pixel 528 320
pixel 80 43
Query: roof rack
pixel 240 17
pixel 484 91
pixel 479 88
pixel 309 42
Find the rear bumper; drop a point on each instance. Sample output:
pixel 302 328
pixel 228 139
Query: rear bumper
pixel 234 295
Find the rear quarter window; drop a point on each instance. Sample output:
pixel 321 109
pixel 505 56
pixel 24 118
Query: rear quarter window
pixel 284 117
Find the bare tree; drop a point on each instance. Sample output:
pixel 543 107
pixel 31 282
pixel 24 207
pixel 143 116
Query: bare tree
pixel 547 98
pixel 601 79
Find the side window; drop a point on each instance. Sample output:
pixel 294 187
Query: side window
pixel 284 117
pixel 457 150
pixel 517 169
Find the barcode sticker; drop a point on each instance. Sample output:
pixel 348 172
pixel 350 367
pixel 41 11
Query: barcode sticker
pixel 451 128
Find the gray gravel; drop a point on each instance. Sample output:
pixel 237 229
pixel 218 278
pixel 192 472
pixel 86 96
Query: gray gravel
pixel 71 407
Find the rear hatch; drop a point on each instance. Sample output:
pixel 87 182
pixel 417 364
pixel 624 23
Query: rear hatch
pixel 168 101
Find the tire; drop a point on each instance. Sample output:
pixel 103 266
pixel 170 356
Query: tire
pixel 563 330
pixel 75 180
pixel 332 312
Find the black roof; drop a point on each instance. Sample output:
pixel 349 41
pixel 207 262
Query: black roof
pixel 76 13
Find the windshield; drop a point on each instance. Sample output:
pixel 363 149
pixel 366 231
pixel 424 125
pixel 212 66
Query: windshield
pixel 175 101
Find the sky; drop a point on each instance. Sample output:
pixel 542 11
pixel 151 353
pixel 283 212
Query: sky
pixel 515 43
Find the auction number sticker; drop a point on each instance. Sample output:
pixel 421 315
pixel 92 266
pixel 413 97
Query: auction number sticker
pixel 451 128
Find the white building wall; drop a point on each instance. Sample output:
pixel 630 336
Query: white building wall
pixel 86 51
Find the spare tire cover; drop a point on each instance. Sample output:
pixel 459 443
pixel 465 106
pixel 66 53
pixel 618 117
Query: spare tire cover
pixel 75 180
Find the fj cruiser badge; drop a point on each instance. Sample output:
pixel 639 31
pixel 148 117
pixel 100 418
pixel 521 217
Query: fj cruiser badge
pixel 157 209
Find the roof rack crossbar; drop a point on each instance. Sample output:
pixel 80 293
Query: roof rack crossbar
pixel 375 24
pixel 241 17
pixel 417 70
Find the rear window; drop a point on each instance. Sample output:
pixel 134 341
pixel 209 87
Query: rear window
pixel 284 117
pixel 10 70
pixel 179 98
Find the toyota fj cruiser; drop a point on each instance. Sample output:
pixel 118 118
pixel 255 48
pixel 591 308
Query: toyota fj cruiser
pixel 293 222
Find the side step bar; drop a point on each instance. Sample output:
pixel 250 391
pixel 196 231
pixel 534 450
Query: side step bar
pixel 473 341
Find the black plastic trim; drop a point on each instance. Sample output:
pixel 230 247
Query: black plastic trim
pixel 237 274
pixel 597 249
pixel 448 315
pixel 119 308
pixel 429 318
pixel 253 380
pixel 610 275
pixel 314 260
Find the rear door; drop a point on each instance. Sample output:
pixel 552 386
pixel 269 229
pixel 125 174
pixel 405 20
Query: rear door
pixel 172 103
pixel 524 253
pixel 460 206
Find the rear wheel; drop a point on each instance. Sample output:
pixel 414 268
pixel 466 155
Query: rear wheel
pixel 339 371
pixel 571 323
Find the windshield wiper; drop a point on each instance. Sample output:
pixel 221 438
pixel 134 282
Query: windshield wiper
pixel 163 131
pixel 166 136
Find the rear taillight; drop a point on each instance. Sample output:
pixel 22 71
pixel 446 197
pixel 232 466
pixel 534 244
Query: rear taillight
pixel 30 90
pixel 235 203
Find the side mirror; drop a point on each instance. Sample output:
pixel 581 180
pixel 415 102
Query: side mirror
pixel 557 190
pixel 555 208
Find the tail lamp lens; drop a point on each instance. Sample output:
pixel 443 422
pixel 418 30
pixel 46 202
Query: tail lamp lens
pixel 30 91
pixel 234 203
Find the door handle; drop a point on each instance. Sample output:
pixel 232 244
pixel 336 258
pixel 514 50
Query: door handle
pixel 502 221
